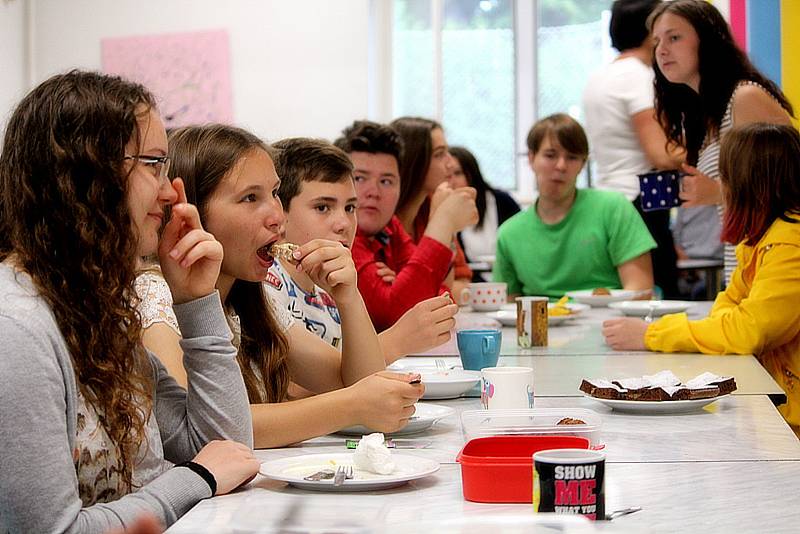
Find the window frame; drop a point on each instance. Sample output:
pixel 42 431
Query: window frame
pixel 380 63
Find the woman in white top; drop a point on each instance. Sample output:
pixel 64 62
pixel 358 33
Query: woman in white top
pixel 626 139
pixel 230 175
pixel 705 85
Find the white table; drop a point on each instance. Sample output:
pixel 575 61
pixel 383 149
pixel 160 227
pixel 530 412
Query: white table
pixel 731 466
pixel 581 335
pixel 708 497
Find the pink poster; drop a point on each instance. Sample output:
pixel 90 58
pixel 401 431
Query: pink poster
pixel 188 72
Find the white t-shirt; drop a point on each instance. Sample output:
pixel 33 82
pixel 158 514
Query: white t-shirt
pixel 613 95
pixel 317 310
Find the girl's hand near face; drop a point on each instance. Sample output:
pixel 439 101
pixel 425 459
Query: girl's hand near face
pixel 190 257
pixel 625 333
pixel 452 210
pixel 330 266
pixel 697 189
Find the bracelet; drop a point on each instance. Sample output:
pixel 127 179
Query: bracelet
pixel 204 473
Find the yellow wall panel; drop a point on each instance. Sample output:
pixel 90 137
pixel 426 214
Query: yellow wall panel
pixel 790 53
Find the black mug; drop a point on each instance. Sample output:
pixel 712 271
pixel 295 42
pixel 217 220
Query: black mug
pixel 569 481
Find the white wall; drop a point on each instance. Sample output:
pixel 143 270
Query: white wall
pixel 298 67
pixel 13 82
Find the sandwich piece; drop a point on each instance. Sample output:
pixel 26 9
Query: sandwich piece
pixel 284 251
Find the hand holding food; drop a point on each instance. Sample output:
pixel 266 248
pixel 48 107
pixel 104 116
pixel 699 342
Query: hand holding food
pixel 330 266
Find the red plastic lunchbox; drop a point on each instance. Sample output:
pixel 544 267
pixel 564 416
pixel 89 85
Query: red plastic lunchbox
pixel 500 468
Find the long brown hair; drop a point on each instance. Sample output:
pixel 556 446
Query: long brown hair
pixel 687 116
pixel 203 156
pixel 64 220
pixel 416 158
pixel 759 166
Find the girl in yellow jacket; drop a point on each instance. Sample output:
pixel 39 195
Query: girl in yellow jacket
pixel 759 312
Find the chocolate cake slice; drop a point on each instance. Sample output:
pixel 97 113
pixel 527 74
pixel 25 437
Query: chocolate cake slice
pixel 601 388
pixel 725 384
pixel 706 392
pixel 637 389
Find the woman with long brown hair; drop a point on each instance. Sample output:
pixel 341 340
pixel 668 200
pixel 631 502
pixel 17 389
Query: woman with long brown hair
pixel 230 175
pixel 425 169
pixel 90 423
pixel 757 313
pixel 704 86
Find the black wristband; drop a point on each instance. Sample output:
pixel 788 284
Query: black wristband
pixel 204 473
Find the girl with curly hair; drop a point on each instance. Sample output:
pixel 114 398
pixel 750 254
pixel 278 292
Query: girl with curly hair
pixel 90 423
pixel 230 176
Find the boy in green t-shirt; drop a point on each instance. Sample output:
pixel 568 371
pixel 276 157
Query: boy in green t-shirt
pixel 570 239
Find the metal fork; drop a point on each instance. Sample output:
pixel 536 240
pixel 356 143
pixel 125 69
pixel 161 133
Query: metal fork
pixel 343 472
pixel 441 366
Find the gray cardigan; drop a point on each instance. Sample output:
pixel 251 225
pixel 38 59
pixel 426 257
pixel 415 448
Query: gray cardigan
pixel 38 401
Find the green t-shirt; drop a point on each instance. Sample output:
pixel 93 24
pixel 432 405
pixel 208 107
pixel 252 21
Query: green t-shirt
pixel 602 231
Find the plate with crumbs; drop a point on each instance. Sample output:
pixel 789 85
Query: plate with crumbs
pixel 507 315
pixel 295 469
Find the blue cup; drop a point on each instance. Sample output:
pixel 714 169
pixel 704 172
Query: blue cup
pixel 479 348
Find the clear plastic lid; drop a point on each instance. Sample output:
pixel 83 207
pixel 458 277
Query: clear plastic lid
pixel 536 421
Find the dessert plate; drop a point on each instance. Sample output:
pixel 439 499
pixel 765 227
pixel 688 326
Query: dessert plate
pixel 507 315
pixel 424 418
pixel 294 470
pixel 656 407
pixel 642 308
pixel 585 296
pixel 449 384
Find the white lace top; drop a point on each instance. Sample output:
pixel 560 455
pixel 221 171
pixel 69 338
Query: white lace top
pixel 156 306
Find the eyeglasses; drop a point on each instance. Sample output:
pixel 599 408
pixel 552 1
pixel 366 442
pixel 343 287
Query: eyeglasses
pixel 159 164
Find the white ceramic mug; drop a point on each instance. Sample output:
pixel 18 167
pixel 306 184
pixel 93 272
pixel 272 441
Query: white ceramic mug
pixel 507 388
pixel 485 296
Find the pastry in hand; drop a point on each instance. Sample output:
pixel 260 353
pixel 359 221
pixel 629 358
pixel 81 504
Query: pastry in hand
pixel 284 251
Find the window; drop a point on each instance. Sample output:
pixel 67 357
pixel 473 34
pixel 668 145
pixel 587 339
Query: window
pixel 487 68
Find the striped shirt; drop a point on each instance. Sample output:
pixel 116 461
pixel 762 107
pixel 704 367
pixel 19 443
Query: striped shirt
pixel 708 164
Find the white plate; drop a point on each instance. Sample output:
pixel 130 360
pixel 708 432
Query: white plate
pixel 656 407
pixel 507 316
pixel 424 418
pixel 585 296
pixel 293 469
pixel 449 384
pixel 641 308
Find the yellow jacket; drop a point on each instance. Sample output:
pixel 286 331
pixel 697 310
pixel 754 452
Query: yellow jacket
pixel 758 313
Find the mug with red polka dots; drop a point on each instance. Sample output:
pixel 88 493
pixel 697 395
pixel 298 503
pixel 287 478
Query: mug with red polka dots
pixel 485 296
